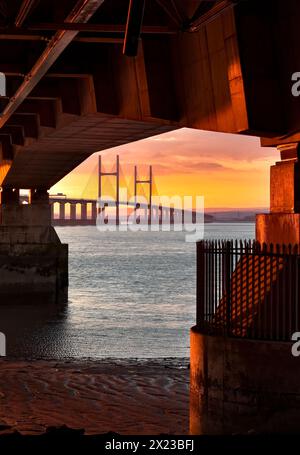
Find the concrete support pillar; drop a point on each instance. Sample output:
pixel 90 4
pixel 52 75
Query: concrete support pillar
pixel 166 216
pixel 62 210
pixel 52 211
pixel 33 262
pixel 94 211
pixel 83 211
pixel 282 224
pixel 172 217
pixel 39 196
pixel 72 212
pixel 220 365
pixel 10 196
pixel 154 215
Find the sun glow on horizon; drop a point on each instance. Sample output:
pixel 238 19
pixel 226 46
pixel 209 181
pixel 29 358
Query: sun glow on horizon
pixel 229 170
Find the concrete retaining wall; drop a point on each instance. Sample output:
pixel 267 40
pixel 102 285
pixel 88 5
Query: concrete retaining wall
pixel 241 386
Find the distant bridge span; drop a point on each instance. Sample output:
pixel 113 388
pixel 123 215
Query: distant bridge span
pixel 87 214
pixel 146 211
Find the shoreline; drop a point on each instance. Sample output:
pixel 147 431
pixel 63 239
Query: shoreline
pixel 125 396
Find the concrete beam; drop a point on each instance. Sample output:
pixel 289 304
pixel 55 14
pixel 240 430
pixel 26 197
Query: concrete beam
pixel 24 11
pixel 283 223
pixel 83 11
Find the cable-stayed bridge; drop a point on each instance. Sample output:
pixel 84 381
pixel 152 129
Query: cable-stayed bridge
pixel 141 206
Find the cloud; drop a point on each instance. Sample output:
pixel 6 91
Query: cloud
pixel 188 168
pixel 226 168
pixel 164 138
pixel 191 144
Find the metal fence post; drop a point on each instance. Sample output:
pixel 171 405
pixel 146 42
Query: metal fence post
pixel 200 284
pixel 227 282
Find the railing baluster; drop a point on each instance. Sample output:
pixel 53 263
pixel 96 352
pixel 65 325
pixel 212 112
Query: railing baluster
pixel 290 290
pixel 247 285
pixel 206 309
pixel 216 278
pixel 201 272
pixel 259 293
pixel 248 290
pixel 253 291
pixel 212 284
pixel 207 288
pixel 240 264
pixel 296 281
pixel 271 300
pixel 277 282
pixel 227 276
pixel 265 258
pixel 284 295
pixel 220 284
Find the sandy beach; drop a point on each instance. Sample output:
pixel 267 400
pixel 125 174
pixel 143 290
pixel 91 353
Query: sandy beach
pixel 123 396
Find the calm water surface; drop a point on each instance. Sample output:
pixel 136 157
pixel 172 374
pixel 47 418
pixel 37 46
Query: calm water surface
pixel 131 295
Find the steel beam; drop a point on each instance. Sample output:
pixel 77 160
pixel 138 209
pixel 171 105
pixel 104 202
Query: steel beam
pixel 133 27
pixel 79 39
pixel 215 11
pixel 99 28
pixel 82 12
pixel 25 9
pixel 166 7
pixel 22 37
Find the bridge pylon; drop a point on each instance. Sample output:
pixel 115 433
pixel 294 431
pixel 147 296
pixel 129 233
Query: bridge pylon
pixel 149 182
pixel 115 174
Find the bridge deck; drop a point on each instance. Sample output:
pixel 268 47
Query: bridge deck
pixel 71 91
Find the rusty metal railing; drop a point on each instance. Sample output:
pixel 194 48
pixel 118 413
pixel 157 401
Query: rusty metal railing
pixel 248 290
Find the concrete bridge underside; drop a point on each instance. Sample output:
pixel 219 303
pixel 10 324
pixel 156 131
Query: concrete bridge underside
pixel 70 91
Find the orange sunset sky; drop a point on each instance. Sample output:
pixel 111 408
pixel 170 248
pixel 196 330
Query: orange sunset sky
pixel 228 170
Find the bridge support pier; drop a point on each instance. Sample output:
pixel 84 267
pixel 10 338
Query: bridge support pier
pixel 33 262
pixel 73 212
pixel 239 385
pixel 282 224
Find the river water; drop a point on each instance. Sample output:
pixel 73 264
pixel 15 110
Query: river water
pixel 131 295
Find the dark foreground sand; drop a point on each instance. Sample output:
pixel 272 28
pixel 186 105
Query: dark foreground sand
pixel 123 396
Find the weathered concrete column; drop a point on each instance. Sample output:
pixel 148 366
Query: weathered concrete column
pixel 72 212
pixel 33 262
pixel 52 212
pixel 94 211
pixel 242 385
pixel 62 210
pixel 39 196
pixel 83 211
pixel 282 224
pixel 10 196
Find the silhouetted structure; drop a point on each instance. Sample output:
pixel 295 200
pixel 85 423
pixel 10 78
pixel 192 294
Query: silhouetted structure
pixel 149 182
pixel 90 208
pixel 217 65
